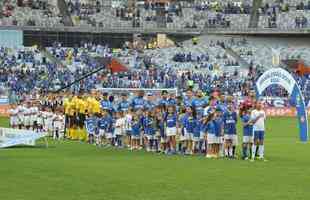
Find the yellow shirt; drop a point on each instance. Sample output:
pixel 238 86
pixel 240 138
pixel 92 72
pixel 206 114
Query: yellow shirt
pixel 82 106
pixel 95 106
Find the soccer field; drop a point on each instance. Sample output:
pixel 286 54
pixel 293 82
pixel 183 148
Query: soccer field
pixel 70 170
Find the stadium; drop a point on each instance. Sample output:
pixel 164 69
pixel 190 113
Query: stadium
pixel 154 99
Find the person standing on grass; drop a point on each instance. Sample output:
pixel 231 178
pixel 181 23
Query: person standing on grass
pixel 247 134
pixel 230 130
pixel 258 117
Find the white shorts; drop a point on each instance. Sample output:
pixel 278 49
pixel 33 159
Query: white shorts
pixel 135 137
pixel 101 132
pixel 118 132
pixel 34 119
pixel 196 139
pixel 187 136
pixel 247 139
pixel 27 121
pixel 212 139
pixel 150 137
pixel 14 121
pixel 221 140
pixel 109 135
pixel 233 138
pixel 172 131
pixel 20 119
pixel 202 135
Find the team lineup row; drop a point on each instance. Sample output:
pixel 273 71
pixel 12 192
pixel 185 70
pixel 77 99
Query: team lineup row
pixel 190 125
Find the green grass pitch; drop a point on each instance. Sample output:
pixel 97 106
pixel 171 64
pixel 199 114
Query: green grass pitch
pixel 73 171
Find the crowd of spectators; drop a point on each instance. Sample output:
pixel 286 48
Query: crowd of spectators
pixel 149 14
pixel 29 13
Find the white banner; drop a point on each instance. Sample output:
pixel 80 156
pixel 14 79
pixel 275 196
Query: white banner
pixel 277 76
pixel 12 137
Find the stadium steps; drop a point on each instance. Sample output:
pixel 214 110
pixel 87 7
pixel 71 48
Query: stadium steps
pixel 64 11
pixel 243 63
pixel 254 19
pixel 50 57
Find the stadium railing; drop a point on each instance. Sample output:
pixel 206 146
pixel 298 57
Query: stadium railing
pixel 170 30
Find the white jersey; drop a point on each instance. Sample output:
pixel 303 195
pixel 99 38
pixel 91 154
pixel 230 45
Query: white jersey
pixel 20 113
pixel 128 119
pixel 119 126
pixel 34 113
pixel 40 118
pixel 13 116
pixel 259 116
pixel 59 122
pixel 27 116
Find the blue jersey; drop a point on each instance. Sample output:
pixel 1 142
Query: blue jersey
pixel 211 127
pixel 106 105
pixel 188 102
pixel 123 106
pixel 135 128
pixel 199 104
pixel 138 103
pixel 190 123
pixel 91 125
pixel 171 120
pixel 230 123
pixel 218 123
pixel 222 107
pixel 149 105
pixel 163 102
pixel 247 129
pixel 198 128
pixel 105 123
pixel 149 125
pixel 172 102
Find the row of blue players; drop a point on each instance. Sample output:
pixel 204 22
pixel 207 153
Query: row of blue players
pixel 209 129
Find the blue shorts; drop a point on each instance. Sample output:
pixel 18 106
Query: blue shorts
pixel 259 135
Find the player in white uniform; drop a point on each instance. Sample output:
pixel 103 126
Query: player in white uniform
pixel 20 116
pixel 34 116
pixel 119 129
pixel 40 121
pixel 27 116
pixel 58 126
pixel 258 117
pixel 49 121
pixel 13 116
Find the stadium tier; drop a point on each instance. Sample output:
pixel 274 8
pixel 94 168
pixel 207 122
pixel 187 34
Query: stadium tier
pixel 191 15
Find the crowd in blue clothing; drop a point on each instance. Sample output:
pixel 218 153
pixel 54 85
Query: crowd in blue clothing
pixel 27 70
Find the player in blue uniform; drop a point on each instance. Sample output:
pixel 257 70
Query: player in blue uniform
pixel 219 132
pixel 106 104
pixel 91 127
pixel 171 128
pixel 199 103
pixel 124 104
pixel 230 130
pixel 197 132
pixel 149 103
pixel 135 131
pixel 149 126
pixel 138 103
pixel 164 101
pixel 161 129
pixel 211 136
pixel 189 125
pixel 105 128
pixel 188 99
pixel 247 134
